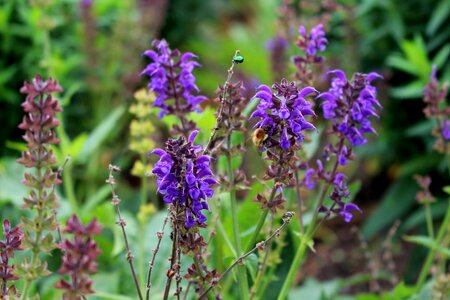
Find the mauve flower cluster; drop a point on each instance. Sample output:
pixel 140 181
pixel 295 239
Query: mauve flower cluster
pixel 282 113
pixel 79 259
pixel 434 95
pixel 39 124
pixel 350 104
pixel 171 78
pixel 12 242
pixel 185 178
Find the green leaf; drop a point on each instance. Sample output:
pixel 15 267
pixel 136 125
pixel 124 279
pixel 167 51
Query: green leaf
pixel 399 62
pixel 446 189
pixel 420 129
pixel 418 217
pixel 411 90
pixel 100 133
pixel 11 187
pixel 397 200
pixel 438 16
pixel 441 57
pixel 428 242
pixel 416 53
pixel 74 148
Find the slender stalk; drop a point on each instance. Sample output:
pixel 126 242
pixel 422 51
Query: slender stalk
pixel 299 202
pixel 173 259
pixel 242 273
pixel 429 219
pixel 286 220
pixel 122 224
pixel 222 105
pixel 300 253
pixel 159 235
pixel 432 252
pixel 262 265
pixel 261 221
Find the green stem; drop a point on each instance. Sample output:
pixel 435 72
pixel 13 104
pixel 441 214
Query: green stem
pixel 432 252
pixel 242 274
pixel 429 219
pixel 261 221
pixel 300 253
pixel 69 188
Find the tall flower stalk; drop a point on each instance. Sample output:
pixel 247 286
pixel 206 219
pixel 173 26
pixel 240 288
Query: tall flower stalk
pixel 185 180
pixel 281 113
pixel 350 105
pixel 39 124
pixel 436 108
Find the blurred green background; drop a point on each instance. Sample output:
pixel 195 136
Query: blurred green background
pixel 93 48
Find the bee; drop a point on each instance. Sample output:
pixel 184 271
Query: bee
pixel 258 137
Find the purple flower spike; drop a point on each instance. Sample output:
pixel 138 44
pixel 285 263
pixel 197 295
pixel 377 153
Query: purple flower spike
pixel 171 78
pixel 282 112
pixel 351 104
pixel 185 178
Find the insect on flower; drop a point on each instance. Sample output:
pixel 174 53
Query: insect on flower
pixel 259 136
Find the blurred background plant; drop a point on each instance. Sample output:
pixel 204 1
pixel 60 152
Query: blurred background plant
pixel 94 47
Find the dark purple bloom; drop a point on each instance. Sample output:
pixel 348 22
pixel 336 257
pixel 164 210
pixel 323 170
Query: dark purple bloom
pixel 282 113
pixel 315 41
pixel 351 104
pixel 171 78
pixel 185 178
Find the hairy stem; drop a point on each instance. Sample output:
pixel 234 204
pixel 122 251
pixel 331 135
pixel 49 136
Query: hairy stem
pixel 286 220
pixel 262 265
pixel 122 224
pixel 159 235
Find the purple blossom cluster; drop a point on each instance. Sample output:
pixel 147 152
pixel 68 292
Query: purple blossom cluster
pixel 282 113
pixel 184 178
pixel 79 260
pixel 313 42
pixel 12 242
pixel 351 104
pixel 171 77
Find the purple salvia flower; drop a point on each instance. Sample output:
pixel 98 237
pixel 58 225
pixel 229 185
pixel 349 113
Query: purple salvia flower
pixel 185 178
pixel 171 78
pixel 351 104
pixel 282 113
